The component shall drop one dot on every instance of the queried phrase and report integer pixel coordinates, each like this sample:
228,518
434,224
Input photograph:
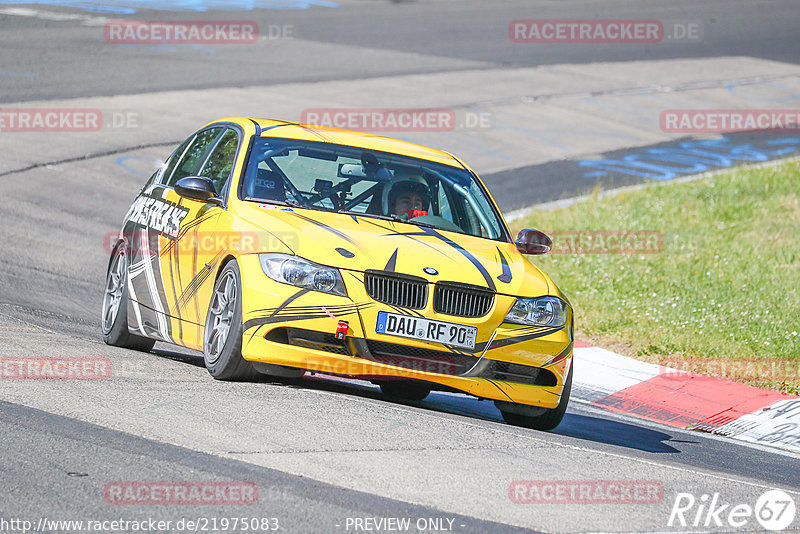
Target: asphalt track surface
320,450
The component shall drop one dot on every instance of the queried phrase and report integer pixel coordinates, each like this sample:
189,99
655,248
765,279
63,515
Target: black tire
114,321
400,389
222,337
548,420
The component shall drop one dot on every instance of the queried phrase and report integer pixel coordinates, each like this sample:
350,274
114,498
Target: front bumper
514,363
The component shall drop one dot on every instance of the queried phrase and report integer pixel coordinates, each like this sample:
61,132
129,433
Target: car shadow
579,426
575,425
610,432
173,353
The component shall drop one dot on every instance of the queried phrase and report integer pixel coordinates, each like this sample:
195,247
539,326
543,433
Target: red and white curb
686,400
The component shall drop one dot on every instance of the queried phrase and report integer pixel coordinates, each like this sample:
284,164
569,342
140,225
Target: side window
188,162
176,156
220,163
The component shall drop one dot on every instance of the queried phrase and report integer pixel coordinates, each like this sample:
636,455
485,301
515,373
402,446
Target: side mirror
531,241
198,188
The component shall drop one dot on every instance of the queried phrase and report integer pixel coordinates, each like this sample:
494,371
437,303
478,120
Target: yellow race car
283,248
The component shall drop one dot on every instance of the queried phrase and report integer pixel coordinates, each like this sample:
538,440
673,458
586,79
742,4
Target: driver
409,197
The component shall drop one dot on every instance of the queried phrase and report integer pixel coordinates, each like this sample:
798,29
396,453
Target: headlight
542,311
298,272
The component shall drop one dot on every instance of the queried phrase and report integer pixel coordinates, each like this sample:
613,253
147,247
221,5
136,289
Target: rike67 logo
774,510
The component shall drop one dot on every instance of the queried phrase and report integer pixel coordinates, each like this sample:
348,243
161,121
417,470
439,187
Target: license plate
394,324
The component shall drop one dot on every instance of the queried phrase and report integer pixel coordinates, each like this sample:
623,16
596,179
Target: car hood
359,243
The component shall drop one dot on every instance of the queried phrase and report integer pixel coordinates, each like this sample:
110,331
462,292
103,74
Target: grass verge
722,297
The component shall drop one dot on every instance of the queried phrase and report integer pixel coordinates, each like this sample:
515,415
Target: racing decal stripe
540,332
157,320
529,330
330,229
354,275
287,318
288,301
334,308
135,305
393,232
312,131
183,231
560,356
519,339
191,289
277,310
392,263
175,269
464,252
498,387
156,292
254,332
173,266
506,276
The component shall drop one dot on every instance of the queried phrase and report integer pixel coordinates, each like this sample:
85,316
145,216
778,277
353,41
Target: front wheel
222,339
547,419
115,306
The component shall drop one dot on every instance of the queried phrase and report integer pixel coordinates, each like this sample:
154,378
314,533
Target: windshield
352,180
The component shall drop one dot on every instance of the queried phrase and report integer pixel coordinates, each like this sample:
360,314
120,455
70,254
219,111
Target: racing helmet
405,182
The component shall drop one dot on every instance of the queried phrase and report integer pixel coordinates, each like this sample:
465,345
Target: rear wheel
413,391
222,339
547,419
115,306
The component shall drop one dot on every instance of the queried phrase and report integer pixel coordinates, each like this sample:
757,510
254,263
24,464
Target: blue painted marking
690,157
121,161
595,174
131,6
787,141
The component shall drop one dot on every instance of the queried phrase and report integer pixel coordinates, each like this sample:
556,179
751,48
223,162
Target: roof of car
325,134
